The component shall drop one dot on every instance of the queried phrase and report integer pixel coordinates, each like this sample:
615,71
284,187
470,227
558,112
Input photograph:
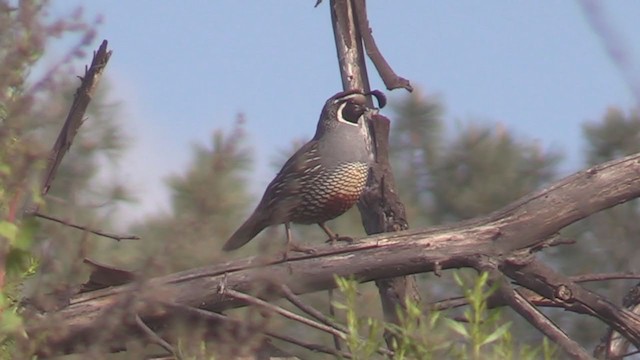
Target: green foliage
207,203
19,265
415,144
482,326
485,168
419,336
204,353
20,261
481,334
478,169
616,135
213,184
361,347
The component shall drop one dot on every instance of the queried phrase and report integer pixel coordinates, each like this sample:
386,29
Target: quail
324,178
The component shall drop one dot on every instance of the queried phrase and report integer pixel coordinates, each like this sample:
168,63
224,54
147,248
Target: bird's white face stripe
350,96
340,118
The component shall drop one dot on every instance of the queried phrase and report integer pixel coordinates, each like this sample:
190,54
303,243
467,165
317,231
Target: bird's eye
351,112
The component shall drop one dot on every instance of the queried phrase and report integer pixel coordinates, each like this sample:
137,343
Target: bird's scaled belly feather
332,194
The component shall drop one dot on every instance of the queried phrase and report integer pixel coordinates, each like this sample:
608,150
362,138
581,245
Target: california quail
324,178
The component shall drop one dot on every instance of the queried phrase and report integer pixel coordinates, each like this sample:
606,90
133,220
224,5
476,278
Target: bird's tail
245,232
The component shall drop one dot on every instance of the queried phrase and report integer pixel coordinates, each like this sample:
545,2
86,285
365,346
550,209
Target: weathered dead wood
81,101
531,296
75,118
523,225
535,317
613,345
382,212
540,278
389,77
380,206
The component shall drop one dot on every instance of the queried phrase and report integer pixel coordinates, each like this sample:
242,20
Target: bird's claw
346,239
298,248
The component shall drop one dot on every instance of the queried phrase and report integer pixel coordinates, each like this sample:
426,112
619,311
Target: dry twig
295,317
155,338
295,300
217,318
619,52
86,228
286,313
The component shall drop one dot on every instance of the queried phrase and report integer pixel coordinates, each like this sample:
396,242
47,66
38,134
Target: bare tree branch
155,338
389,77
76,113
86,228
618,51
353,69
531,296
523,307
332,312
295,300
540,278
218,318
604,276
103,276
613,345
286,313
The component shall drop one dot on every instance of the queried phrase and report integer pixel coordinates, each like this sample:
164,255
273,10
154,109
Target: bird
321,180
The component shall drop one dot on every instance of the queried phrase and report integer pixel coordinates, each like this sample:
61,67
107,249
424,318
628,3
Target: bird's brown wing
284,193
282,196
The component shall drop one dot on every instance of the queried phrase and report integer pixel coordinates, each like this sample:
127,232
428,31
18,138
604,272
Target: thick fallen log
506,237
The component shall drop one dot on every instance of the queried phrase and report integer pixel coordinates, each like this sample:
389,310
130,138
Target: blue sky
184,68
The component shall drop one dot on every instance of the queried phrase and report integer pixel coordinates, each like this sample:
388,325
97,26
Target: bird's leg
333,237
293,246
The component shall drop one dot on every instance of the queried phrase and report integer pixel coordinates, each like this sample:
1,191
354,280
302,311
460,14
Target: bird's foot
332,240
294,247
301,248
